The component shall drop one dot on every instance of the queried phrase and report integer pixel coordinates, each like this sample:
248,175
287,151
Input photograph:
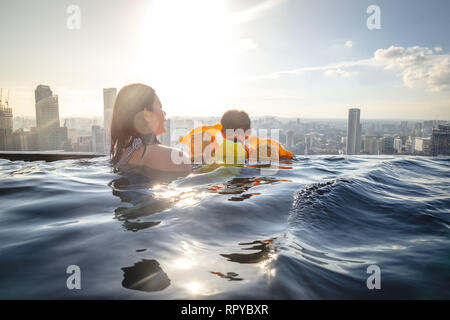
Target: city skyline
274,57
112,92
353,137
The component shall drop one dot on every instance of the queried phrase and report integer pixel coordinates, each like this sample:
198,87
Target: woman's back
154,156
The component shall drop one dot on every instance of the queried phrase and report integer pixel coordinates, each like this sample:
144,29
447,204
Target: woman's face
156,118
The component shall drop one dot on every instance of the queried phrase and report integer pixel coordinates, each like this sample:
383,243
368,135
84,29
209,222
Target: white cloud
339,73
327,68
419,67
349,43
437,49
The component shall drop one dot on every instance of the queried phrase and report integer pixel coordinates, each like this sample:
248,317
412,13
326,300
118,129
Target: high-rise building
6,124
5,117
426,146
371,145
83,144
398,145
404,128
309,144
21,139
109,98
42,92
290,139
353,132
47,119
440,141
388,145
410,145
98,139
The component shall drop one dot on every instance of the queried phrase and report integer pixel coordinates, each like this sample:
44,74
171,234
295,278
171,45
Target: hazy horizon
311,60
252,117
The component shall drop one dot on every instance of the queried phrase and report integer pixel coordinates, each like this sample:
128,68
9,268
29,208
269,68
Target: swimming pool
309,230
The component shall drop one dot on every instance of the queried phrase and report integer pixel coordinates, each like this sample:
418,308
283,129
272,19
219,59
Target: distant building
290,139
6,126
109,98
98,140
353,132
42,92
388,145
440,142
6,117
33,139
309,144
398,145
404,128
371,145
63,134
21,139
427,146
83,144
47,119
6,139
418,145
410,145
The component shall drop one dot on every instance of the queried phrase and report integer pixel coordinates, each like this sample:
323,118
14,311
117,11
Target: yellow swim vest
231,151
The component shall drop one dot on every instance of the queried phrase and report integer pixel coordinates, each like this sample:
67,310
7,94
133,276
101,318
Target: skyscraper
371,145
42,92
353,131
109,98
290,139
440,141
398,145
6,118
6,125
47,119
388,145
98,139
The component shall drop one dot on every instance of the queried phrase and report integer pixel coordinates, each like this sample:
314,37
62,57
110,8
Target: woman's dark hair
130,101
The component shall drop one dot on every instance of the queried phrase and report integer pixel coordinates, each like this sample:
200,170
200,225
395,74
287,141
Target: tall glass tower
47,119
353,131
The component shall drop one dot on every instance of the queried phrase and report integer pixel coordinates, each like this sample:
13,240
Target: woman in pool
137,121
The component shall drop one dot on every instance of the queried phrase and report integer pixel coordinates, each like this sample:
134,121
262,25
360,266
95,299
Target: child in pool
236,129
230,142
225,143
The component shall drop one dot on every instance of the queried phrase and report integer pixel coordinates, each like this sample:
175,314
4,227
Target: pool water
307,230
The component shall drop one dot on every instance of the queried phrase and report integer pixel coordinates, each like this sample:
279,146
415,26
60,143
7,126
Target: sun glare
194,287
186,54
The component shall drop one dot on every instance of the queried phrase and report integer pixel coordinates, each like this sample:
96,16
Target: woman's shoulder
165,158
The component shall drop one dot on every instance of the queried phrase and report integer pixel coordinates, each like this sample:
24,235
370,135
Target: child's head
235,120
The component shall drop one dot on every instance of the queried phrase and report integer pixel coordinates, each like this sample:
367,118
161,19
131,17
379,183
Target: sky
287,58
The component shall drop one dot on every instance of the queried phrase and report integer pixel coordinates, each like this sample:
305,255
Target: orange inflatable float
209,135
